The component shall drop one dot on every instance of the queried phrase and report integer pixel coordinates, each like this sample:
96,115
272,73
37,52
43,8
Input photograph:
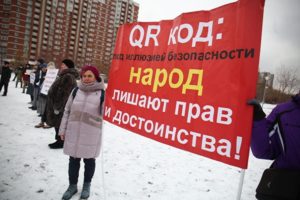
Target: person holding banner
42,100
36,83
277,138
81,129
57,97
30,87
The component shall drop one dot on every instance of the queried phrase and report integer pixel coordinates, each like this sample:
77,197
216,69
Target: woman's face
63,66
88,77
44,69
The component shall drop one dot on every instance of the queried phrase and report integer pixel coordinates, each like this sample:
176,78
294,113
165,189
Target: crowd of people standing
83,91
73,107
75,111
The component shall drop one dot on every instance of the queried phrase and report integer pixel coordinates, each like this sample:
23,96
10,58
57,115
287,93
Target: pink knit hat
93,69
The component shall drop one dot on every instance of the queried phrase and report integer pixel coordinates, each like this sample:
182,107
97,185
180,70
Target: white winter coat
82,122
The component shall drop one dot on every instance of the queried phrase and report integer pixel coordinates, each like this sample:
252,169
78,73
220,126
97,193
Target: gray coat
82,122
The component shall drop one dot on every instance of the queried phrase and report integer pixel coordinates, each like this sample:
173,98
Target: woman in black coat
58,95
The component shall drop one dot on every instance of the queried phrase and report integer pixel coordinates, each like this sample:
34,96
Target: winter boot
56,145
40,125
85,193
47,126
72,189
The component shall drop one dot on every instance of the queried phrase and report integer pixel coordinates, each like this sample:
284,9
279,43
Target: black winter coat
6,73
58,95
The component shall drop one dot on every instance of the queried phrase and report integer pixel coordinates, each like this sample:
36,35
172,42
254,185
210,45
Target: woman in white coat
81,129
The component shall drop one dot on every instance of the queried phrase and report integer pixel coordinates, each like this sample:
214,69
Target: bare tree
288,79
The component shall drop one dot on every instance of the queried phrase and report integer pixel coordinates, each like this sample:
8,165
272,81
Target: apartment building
83,30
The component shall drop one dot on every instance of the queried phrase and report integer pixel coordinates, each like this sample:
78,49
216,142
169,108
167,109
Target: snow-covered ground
130,167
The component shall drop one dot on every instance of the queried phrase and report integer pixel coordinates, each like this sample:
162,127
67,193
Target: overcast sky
281,27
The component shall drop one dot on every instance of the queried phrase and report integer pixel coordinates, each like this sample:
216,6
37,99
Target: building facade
82,30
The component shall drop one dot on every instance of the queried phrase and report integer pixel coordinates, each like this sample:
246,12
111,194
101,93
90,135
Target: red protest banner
185,82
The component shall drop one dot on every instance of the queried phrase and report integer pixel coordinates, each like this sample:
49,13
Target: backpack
74,92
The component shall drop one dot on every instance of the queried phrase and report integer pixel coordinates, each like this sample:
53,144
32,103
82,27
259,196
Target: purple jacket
266,141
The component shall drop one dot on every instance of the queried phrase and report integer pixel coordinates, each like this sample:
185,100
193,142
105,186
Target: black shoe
56,145
4,95
32,107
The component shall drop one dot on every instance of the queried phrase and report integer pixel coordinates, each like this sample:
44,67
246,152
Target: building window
4,38
6,20
5,25
61,4
6,7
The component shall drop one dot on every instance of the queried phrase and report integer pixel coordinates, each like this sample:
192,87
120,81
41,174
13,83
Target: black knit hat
41,60
69,63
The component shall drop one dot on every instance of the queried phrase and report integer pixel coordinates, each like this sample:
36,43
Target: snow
130,166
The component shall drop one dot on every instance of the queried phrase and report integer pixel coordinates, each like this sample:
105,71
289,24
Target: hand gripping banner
185,82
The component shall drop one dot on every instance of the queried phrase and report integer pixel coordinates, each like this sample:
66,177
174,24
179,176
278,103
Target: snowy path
133,167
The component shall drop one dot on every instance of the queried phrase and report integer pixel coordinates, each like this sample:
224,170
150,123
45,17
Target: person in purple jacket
277,137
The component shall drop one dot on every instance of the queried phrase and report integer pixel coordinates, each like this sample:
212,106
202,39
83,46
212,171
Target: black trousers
74,166
44,115
5,84
57,137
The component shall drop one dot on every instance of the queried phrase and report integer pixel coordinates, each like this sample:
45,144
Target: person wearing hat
57,97
81,129
6,73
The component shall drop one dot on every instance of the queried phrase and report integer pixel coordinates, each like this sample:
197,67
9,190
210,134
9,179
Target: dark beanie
41,60
69,63
93,69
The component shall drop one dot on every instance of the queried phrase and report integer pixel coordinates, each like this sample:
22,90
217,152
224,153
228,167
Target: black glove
258,113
